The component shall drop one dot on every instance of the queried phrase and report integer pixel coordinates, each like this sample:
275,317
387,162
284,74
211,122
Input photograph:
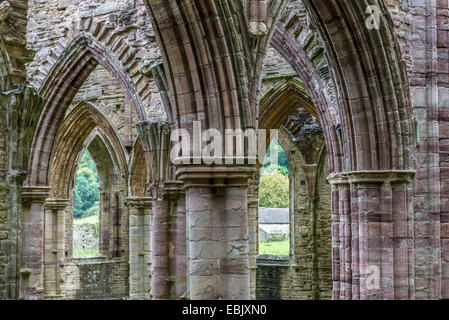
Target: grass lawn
280,248
90,220
85,252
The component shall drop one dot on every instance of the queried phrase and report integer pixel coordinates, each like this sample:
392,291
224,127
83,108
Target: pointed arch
212,64
71,140
372,89
281,101
72,69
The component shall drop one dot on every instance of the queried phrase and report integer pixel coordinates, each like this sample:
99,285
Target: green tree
282,159
86,190
274,190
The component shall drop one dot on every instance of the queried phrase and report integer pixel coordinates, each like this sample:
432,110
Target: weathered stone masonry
364,109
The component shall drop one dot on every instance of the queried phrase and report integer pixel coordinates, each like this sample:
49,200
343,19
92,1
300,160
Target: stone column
344,249
159,249
217,226
54,247
253,231
257,14
168,241
375,234
32,257
106,224
177,259
139,247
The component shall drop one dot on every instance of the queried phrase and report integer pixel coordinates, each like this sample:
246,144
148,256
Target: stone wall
126,25
279,280
85,236
90,279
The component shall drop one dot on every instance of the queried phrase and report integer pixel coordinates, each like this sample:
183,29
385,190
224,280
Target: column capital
215,176
139,202
336,179
371,177
56,204
35,194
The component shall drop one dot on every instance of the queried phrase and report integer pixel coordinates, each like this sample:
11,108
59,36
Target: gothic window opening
86,209
274,203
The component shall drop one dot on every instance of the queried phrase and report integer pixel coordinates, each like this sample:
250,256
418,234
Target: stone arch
318,81
110,47
66,77
74,132
84,128
373,93
281,101
302,139
209,78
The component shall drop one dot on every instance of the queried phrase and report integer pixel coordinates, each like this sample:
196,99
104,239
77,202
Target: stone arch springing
378,135
138,177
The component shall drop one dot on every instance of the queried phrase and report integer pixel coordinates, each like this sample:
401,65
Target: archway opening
86,209
88,180
274,203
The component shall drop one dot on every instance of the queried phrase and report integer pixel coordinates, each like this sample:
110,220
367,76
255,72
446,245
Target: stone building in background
359,94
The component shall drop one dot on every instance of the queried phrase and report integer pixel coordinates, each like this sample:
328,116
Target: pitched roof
274,216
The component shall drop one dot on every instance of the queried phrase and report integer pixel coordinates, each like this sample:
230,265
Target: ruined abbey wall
381,96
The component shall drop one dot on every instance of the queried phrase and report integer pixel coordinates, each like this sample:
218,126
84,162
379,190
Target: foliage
274,190
86,196
280,248
282,159
273,168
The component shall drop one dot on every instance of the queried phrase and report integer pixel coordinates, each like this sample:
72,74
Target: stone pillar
54,247
253,231
375,235
344,259
106,225
256,17
159,249
217,226
116,223
168,241
177,259
32,240
139,247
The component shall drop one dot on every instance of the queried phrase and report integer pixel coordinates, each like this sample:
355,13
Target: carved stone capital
141,203
338,179
378,177
215,176
35,194
56,204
